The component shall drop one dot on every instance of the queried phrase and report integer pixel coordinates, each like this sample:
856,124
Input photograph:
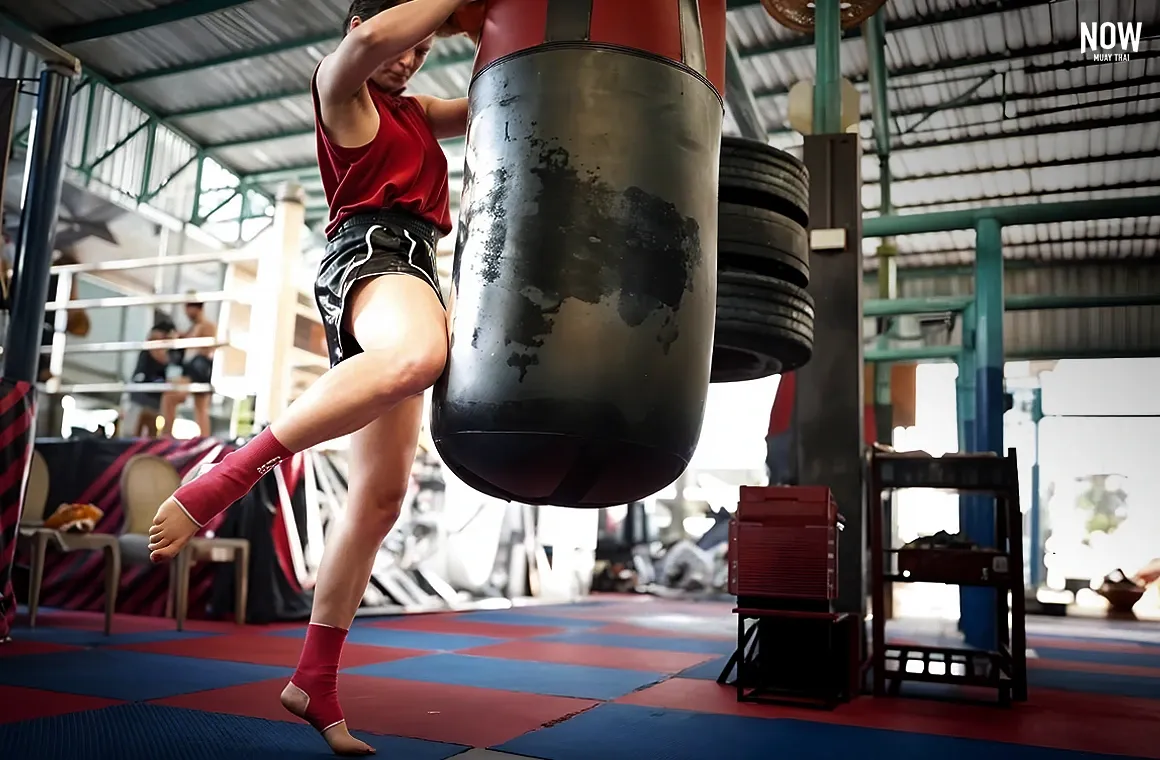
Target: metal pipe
827,80
44,178
142,345
83,388
874,34
903,307
1028,213
121,265
740,98
157,300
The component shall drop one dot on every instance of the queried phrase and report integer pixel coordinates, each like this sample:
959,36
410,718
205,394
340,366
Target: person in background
151,368
195,367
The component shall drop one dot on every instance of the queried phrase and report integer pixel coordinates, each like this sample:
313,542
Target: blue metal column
34,244
965,407
38,218
978,605
1035,544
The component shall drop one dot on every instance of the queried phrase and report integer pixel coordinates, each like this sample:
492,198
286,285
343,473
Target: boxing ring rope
62,303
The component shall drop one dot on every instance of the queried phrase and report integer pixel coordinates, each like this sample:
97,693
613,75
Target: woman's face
393,75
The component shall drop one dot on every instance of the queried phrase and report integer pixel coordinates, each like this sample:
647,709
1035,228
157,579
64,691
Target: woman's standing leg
383,313
381,455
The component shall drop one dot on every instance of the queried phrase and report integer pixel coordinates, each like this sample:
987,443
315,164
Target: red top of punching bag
653,26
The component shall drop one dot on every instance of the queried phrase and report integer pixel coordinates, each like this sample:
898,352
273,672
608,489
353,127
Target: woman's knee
408,370
376,509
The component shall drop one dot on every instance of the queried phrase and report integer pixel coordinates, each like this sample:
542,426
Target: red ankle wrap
317,675
211,493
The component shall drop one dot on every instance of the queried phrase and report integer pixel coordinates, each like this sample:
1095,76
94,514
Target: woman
385,177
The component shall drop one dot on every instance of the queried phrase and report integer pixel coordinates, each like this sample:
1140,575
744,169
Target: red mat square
435,712
1054,719
593,656
27,704
464,627
266,650
19,648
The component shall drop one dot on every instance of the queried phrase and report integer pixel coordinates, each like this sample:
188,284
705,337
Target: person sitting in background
151,368
1150,573
196,367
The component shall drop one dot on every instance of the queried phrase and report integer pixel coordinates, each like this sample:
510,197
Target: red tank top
402,169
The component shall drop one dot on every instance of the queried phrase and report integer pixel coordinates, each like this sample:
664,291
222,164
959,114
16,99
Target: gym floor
616,678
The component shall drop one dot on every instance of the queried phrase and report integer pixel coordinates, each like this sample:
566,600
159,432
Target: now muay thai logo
1110,41
269,465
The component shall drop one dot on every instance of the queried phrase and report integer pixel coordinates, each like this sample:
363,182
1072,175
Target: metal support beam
829,401
133,22
874,32
1031,213
739,98
46,51
38,217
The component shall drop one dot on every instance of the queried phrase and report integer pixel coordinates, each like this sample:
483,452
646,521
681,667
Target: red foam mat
266,650
435,712
27,704
1054,719
464,627
593,656
19,647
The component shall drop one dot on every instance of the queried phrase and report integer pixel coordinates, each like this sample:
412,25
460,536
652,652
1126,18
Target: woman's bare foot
172,528
337,736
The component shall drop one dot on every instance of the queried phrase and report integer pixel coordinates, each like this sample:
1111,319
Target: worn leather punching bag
586,262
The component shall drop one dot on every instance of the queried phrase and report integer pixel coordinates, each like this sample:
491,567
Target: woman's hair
364,9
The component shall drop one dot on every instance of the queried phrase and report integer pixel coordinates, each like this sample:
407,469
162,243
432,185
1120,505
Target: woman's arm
448,118
342,74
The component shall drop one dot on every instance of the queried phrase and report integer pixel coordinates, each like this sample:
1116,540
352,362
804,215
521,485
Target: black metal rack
1005,667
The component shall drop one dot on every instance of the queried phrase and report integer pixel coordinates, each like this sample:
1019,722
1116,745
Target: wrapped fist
467,20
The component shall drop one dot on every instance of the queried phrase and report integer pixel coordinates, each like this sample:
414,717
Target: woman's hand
1150,572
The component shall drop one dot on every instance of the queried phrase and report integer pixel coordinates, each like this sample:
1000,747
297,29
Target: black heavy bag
586,263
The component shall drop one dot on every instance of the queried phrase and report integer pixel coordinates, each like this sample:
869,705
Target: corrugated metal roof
1062,332
990,101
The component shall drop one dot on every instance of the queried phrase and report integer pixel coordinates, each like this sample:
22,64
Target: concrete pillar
275,307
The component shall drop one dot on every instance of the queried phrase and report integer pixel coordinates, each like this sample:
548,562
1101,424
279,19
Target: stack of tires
765,317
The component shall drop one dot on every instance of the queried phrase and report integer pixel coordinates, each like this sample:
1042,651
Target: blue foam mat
404,639
122,674
1111,684
628,732
1150,659
706,671
83,638
154,732
510,617
546,678
652,643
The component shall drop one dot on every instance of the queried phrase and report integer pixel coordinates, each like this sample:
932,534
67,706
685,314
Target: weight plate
763,242
764,326
755,174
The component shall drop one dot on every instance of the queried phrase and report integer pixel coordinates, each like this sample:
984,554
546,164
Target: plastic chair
37,538
146,481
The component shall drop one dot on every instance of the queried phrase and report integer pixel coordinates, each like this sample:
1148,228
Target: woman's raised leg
402,328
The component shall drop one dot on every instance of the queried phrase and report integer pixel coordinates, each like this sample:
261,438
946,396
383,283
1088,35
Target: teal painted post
978,611
827,82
